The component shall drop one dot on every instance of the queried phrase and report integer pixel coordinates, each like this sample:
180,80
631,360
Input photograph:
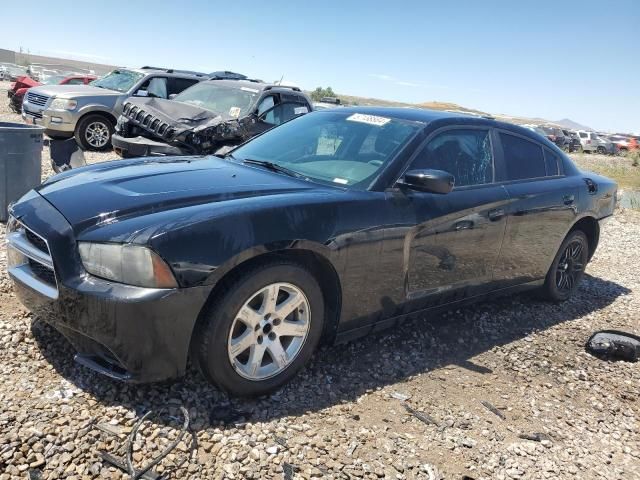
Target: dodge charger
332,225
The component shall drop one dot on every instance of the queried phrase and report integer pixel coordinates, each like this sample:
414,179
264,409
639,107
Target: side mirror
431,181
141,93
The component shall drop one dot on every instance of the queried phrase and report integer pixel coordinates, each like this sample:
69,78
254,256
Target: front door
449,244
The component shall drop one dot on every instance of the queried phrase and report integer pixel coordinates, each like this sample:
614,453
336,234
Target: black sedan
330,226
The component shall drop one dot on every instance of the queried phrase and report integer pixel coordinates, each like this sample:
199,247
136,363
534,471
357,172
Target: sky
548,59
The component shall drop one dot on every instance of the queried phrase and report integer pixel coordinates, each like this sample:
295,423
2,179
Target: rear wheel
261,329
567,268
93,132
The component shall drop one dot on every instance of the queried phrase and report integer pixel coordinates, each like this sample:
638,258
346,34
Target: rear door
541,209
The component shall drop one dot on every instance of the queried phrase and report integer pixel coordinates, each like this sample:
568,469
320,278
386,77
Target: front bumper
142,147
129,333
56,123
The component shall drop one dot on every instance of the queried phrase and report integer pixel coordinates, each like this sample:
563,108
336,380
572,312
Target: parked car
18,89
556,135
205,117
330,226
11,71
588,141
573,144
605,146
89,112
624,143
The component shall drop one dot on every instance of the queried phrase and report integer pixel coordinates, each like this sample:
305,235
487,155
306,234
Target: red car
18,88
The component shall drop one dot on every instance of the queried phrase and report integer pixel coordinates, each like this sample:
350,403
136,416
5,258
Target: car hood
24,82
75,91
111,191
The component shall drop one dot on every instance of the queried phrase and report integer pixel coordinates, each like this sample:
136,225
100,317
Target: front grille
30,261
37,99
148,121
36,241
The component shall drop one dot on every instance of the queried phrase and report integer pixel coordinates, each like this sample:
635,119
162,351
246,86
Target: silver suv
90,112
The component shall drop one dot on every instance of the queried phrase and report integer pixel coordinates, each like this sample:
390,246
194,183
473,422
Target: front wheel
567,268
261,329
94,132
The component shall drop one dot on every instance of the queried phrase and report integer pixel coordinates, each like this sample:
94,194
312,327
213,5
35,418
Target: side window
177,85
523,158
154,87
466,154
75,81
266,104
551,163
583,135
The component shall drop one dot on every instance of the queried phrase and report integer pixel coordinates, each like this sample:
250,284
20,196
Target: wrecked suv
204,118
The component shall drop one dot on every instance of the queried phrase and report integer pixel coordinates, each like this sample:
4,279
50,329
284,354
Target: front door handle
495,215
568,199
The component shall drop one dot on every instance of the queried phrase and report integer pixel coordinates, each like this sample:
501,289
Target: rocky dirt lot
480,378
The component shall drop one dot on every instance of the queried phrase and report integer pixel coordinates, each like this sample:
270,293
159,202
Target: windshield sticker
234,112
341,181
370,119
247,89
300,110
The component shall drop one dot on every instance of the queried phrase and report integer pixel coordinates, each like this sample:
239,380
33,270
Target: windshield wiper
274,167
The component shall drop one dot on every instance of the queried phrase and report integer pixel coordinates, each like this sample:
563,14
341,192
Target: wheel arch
104,113
310,257
591,228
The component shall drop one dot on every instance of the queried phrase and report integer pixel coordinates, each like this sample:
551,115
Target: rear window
583,135
523,158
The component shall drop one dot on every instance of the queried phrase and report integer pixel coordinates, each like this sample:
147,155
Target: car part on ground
205,118
332,198
614,345
65,155
64,110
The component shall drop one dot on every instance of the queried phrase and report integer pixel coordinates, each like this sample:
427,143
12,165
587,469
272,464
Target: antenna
281,78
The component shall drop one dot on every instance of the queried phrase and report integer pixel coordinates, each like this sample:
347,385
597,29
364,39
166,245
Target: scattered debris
535,437
493,410
400,396
145,471
35,474
109,429
228,414
614,345
423,417
272,450
352,448
281,441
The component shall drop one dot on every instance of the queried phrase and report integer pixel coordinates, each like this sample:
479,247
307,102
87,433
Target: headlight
63,104
130,264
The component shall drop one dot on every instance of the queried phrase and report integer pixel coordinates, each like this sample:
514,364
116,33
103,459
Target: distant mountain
567,123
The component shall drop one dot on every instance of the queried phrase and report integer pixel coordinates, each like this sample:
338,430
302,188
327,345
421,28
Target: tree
320,92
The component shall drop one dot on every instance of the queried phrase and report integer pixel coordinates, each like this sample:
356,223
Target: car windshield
119,80
232,101
53,80
343,149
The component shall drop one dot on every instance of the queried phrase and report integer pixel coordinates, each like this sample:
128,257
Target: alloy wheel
97,134
570,266
269,331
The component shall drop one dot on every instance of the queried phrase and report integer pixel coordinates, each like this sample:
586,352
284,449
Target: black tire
602,150
209,344
567,267
92,121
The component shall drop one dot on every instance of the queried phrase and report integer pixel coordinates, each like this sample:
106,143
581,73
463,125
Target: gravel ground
345,415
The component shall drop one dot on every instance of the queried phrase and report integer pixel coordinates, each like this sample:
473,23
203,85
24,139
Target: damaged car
205,117
333,225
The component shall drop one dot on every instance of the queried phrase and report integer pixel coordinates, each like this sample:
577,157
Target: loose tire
567,268
261,329
94,132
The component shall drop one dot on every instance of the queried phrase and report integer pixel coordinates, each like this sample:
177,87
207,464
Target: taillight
588,142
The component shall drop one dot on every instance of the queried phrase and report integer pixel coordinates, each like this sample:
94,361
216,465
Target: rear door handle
568,199
495,215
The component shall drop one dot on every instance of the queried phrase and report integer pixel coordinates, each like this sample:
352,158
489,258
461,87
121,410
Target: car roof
425,116
255,85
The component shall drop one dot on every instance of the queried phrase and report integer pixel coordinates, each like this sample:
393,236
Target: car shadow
341,373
